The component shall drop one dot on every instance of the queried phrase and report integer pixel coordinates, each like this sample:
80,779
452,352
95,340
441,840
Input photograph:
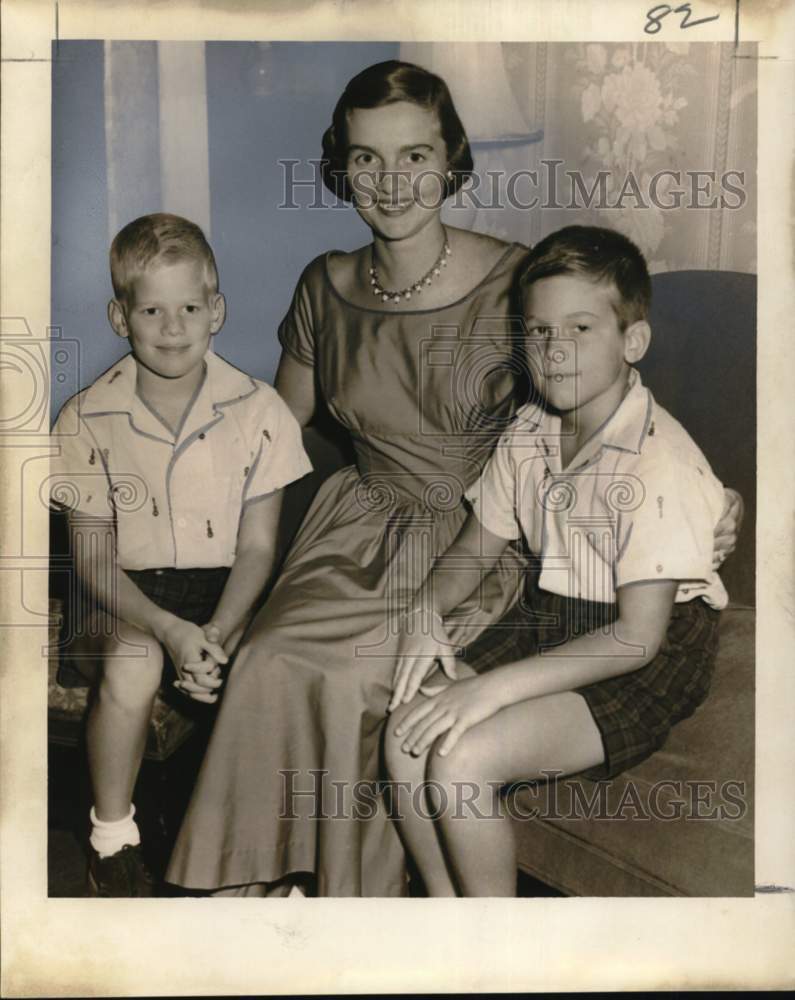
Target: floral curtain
655,139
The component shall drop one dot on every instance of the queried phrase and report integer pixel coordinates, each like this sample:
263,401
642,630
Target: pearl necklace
404,294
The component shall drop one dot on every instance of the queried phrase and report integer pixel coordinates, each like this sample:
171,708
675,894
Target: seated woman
408,341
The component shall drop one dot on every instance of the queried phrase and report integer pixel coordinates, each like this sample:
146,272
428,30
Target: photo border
66,947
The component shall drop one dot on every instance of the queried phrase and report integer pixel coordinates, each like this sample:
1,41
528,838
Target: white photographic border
69,947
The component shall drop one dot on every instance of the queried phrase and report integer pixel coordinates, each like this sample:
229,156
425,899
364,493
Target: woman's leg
416,828
554,733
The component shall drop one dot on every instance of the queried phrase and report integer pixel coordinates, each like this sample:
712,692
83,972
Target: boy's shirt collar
625,430
114,392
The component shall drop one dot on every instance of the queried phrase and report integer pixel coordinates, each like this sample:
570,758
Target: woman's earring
449,175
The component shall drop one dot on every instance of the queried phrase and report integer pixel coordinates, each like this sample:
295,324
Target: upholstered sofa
681,823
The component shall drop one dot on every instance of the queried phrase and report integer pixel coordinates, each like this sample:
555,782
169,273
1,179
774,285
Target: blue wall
264,103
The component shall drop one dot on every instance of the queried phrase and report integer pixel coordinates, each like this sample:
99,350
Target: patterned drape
661,136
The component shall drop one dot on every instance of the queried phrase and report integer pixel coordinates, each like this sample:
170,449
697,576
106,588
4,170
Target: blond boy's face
578,353
169,317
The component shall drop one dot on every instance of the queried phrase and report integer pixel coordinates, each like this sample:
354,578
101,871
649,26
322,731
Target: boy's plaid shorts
634,711
191,594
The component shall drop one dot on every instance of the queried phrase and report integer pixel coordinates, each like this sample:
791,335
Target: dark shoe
123,874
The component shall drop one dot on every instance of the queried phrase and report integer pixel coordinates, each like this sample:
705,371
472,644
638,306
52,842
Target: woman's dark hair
387,83
600,255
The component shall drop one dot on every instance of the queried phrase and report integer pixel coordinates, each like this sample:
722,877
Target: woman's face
396,166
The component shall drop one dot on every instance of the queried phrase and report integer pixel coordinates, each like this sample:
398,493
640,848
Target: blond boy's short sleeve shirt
639,502
176,495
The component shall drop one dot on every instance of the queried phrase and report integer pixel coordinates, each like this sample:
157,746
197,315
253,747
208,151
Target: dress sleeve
669,535
493,496
297,329
281,458
78,477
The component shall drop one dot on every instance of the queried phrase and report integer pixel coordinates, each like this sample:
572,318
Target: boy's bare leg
553,733
119,717
418,832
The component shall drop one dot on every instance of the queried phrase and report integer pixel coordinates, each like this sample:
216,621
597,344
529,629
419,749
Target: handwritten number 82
656,14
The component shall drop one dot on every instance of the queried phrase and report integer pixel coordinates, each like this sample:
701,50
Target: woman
408,342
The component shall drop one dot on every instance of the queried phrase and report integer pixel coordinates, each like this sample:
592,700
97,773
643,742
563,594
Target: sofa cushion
701,366
624,844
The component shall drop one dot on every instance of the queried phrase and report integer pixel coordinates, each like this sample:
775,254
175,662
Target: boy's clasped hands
197,655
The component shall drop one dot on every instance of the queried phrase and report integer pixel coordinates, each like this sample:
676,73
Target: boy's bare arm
93,544
474,551
644,610
454,577
251,570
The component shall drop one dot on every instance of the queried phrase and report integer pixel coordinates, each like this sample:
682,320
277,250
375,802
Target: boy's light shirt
177,498
638,502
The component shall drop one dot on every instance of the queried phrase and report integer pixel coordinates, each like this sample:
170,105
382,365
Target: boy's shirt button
202,436
181,522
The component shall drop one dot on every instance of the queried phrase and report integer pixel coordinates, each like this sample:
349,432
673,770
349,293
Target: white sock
108,838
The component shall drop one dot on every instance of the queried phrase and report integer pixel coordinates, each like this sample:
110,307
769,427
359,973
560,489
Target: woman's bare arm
728,528
295,383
